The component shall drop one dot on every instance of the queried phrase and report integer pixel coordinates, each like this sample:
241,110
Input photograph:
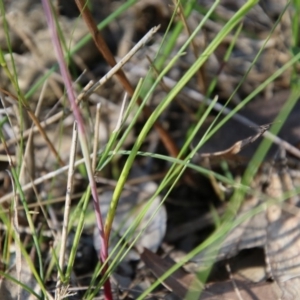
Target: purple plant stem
81,133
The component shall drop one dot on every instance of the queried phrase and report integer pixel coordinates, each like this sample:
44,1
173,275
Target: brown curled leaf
238,146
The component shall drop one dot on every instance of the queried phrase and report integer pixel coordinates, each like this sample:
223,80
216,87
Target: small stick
124,60
236,289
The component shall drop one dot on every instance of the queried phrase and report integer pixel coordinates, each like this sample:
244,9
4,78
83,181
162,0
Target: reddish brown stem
108,56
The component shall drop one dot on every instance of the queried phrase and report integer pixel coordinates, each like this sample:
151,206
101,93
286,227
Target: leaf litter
274,228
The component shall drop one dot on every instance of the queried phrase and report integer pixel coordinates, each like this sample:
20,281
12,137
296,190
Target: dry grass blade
104,50
196,96
64,235
45,123
41,179
16,228
123,61
28,171
238,146
96,137
38,125
28,41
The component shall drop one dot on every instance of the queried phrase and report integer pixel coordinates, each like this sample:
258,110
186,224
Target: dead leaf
261,111
225,291
283,254
180,282
238,146
275,229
